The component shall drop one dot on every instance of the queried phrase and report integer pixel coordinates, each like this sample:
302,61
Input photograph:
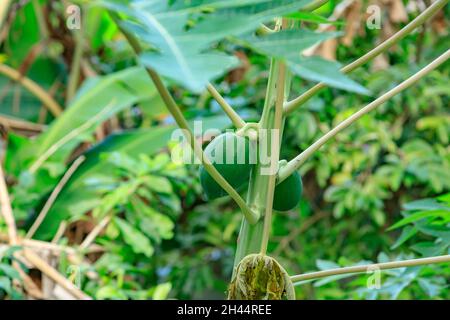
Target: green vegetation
90,192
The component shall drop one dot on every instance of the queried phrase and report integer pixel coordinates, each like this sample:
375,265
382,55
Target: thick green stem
250,237
275,153
419,20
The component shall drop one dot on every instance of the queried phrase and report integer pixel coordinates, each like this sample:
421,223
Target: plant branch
95,232
51,199
234,117
371,267
53,274
179,118
419,20
19,124
4,7
5,207
33,87
295,163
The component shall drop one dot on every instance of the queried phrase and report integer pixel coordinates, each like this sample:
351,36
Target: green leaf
99,100
159,184
180,45
312,17
136,239
425,204
429,249
5,284
9,271
328,72
419,216
287,44
431,288
406,234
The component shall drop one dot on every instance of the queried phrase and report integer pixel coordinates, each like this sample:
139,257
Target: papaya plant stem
371,267
234,117
275,154
33,87
419,20
250,236
251,216
295,163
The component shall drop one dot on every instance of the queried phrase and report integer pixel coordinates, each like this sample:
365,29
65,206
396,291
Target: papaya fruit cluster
230,155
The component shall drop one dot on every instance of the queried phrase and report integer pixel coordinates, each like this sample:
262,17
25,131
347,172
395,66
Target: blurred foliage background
378,192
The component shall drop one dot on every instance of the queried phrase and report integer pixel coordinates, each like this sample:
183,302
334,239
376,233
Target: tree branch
33,87
295,163
5,207
371,267
419,20
53,274
51,199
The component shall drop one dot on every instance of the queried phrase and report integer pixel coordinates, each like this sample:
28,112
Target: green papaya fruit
229,153
288,193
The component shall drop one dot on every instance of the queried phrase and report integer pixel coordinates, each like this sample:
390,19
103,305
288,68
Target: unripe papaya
288,193
229,154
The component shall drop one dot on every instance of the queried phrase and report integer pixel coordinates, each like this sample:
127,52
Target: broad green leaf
312,17
328,72
103,98
181,45
136,239
287,44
